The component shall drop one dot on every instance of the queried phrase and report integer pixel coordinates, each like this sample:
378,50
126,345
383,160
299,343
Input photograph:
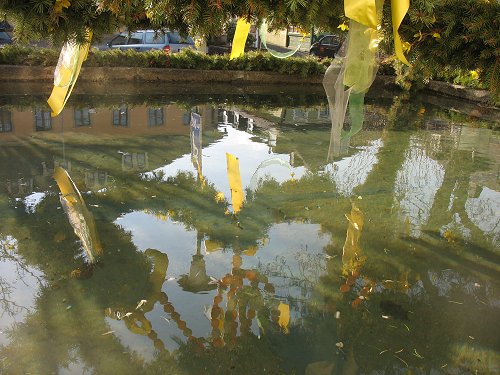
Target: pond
236,233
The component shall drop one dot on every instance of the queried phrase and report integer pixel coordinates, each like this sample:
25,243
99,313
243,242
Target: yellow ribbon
284,318
240,38
65,76
399,9
79,216
233,174
362,11
365,12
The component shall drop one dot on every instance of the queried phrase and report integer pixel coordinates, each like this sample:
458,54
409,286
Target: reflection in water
233,174
197,279
352,255
417,183
79,216
244,303
379,259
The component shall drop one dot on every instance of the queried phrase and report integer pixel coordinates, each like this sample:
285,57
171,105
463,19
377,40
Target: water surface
368,253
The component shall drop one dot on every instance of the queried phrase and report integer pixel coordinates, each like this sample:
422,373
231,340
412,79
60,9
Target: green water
375,253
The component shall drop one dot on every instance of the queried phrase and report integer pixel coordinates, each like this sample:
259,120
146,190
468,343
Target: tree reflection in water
396,287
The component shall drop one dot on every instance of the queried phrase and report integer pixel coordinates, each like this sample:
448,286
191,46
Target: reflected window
82,117
134,161
186,118
5,121
299,114
155,117
324,112
141,160
43,120
120,117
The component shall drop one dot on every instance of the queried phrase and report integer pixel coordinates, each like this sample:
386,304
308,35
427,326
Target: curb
124,75
22,73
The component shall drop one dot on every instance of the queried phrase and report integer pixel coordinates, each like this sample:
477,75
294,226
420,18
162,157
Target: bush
186,59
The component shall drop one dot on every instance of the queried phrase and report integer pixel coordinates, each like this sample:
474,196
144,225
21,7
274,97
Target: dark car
5,38
145,40
327,46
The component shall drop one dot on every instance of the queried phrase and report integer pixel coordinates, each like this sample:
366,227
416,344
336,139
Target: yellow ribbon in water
284,318
79,216
66,73
233,174
240,38
137,322
365,12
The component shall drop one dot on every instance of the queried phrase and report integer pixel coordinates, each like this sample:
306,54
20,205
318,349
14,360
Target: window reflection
82,117
5,121
134,161
186,118
120,116
43,120
155,117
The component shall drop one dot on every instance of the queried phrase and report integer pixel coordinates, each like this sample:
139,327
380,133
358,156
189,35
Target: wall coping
22,73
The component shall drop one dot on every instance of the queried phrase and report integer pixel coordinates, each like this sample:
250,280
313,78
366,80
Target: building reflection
120,121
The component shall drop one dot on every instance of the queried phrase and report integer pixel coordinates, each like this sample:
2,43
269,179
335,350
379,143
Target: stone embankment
474,101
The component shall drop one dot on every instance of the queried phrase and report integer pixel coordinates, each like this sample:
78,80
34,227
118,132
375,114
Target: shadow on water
370,250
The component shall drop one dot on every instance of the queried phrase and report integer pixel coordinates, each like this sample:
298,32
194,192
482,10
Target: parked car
145,40
327,46
5,38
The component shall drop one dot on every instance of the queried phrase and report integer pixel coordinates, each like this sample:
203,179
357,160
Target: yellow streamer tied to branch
67,70
362,11
240,38
399,9
365,13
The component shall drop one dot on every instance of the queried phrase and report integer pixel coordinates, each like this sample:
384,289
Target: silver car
145,40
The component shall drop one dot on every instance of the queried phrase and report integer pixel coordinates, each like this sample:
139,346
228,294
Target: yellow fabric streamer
240,38
233,174
79,216
399,9
361,60
365,13
362,11
66,73
284,319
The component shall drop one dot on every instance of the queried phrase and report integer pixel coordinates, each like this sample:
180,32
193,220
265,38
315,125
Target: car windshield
176,38
120,39
4,37
330,40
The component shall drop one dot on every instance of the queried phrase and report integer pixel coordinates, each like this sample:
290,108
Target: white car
145,40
